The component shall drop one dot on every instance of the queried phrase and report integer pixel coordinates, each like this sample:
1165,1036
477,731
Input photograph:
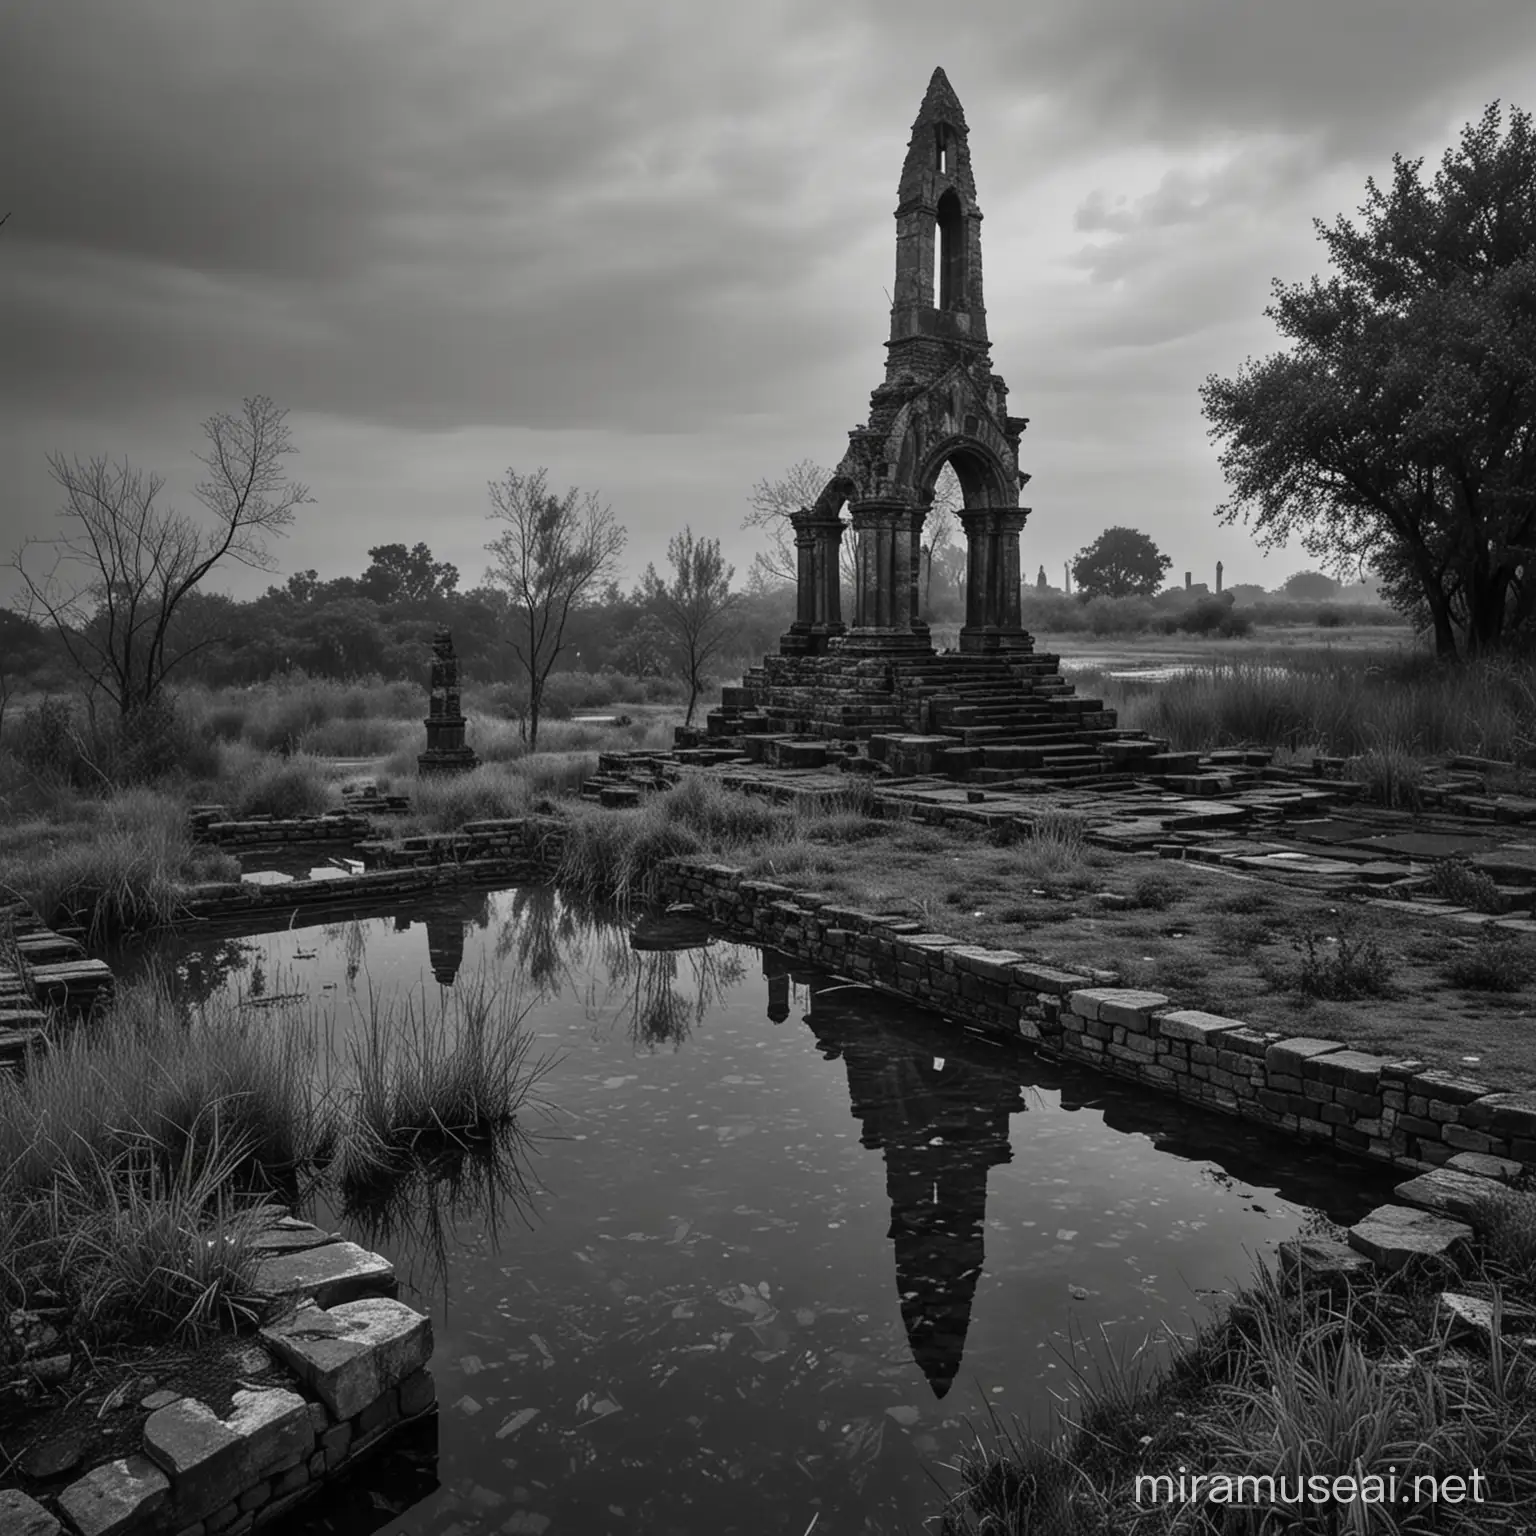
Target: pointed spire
940,104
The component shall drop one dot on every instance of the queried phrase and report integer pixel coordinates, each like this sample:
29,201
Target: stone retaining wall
1394,1111
211,824
356,1362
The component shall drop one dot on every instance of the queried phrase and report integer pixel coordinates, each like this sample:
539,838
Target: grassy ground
1273,956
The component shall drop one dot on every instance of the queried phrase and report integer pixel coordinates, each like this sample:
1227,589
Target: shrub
1340,973
1496,962
1156,892
1456,881
48,742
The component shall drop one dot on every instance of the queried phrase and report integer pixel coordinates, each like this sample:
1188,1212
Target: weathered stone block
1462,1139
1201,1030
120,1496
200,1454
1472,1318
1502,1114
1503,1169
336,1273
1322,1261
1043,978
1287,1056
274,1426
1448,1191
1358,1071
353,1353
22,1516
417,1393
1444,1085
1396,1235
1130,1007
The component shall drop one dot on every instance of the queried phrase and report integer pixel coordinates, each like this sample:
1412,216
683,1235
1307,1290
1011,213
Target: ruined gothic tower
940,404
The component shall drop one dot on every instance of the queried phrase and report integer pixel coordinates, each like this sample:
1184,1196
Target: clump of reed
426,1079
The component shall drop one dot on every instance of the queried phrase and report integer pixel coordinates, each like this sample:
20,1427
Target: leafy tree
1400,431
555,553
125,566
695,606
398,574
1121,562
1310,587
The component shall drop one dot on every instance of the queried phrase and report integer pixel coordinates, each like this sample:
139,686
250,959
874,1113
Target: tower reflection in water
941,1123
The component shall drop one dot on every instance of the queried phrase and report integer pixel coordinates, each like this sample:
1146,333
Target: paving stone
1393,1236
335,1273
116,1497
1448,1191
23,1516
353,1353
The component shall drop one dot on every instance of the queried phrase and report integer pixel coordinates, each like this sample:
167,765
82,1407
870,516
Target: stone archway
940,403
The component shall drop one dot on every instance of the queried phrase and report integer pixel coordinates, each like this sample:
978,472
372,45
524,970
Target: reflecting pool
773,1241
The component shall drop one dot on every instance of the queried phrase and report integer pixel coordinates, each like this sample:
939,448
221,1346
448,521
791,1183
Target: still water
776,1241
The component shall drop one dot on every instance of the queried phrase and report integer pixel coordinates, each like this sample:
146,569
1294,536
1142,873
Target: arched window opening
943,150
951,223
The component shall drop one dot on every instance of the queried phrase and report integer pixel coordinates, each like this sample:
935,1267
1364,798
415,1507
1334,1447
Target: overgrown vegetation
1340,968
1290,1384
132,1152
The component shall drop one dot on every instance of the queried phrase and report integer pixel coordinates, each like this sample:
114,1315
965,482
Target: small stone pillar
1041,584
446,751
1218,578
1188,580
993,614
1066,576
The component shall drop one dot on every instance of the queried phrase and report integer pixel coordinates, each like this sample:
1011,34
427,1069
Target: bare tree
773,501
125,565
695,606
556,552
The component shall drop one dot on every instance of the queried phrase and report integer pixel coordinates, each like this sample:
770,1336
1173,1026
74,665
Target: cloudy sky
648,243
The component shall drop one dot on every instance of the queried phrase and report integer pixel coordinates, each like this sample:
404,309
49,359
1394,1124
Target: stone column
915,558
992,597
828,618
796,640
884,619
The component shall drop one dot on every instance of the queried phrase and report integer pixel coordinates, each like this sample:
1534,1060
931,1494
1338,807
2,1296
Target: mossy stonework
356,1362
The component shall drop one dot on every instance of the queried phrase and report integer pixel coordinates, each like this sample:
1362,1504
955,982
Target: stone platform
979,717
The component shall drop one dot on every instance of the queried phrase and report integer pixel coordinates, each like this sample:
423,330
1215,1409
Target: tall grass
1292,1385
256,783
125,873
427,1079
1349,704
296,712
145,1075
132,1153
